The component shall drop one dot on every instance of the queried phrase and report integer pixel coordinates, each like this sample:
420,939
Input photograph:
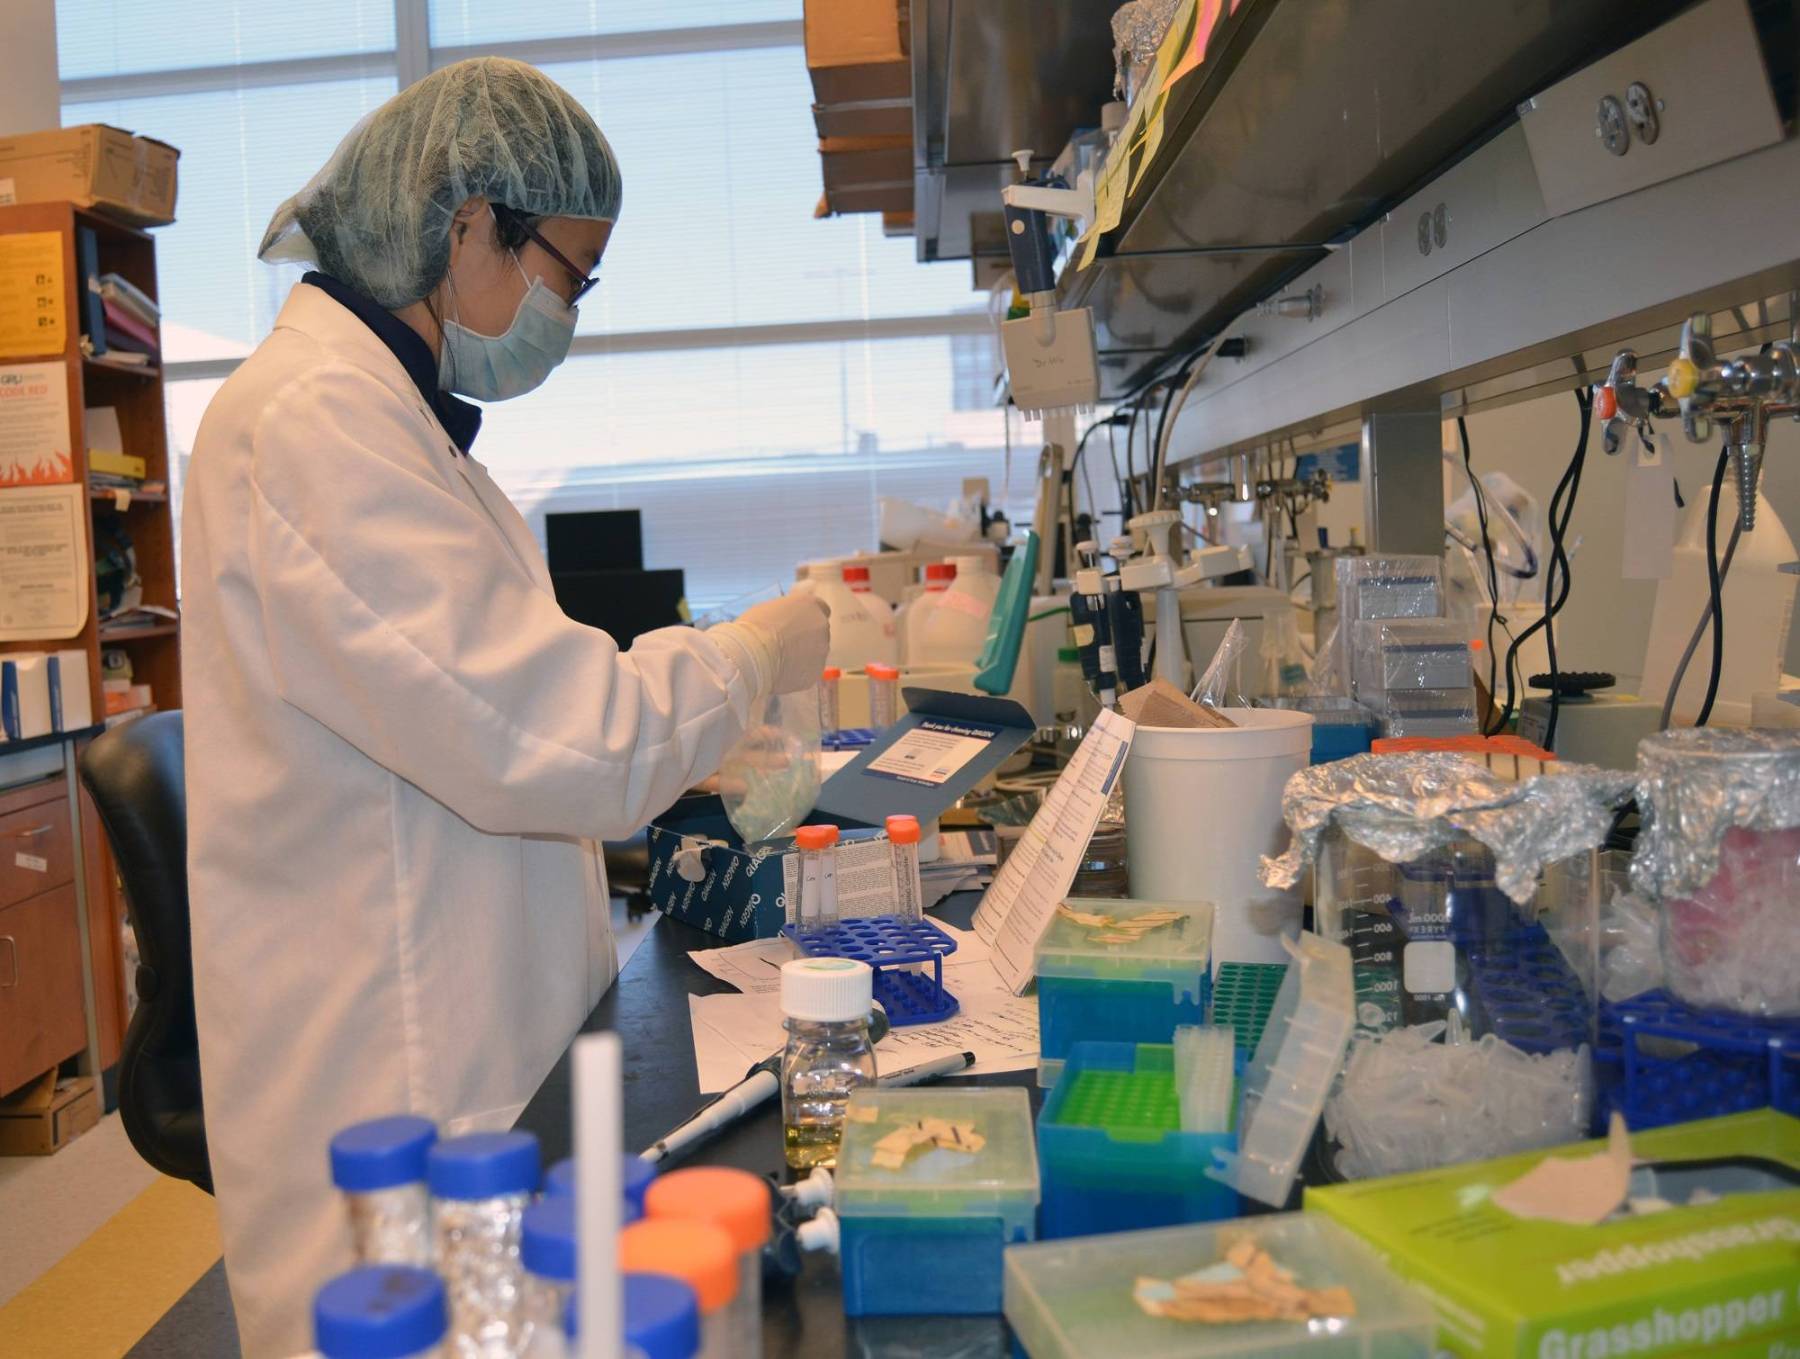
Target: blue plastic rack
1660,1061
891,945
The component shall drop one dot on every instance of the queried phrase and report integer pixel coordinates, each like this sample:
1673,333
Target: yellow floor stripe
102,1297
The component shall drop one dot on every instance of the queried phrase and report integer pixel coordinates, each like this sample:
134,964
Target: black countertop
648,1009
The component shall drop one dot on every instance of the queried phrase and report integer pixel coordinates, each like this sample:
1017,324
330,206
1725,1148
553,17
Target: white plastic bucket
1202,808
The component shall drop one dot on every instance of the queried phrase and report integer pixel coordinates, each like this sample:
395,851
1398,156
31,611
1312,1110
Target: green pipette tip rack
1243,995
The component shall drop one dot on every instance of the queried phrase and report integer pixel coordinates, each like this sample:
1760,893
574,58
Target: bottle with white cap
829,1053
955,631
912,619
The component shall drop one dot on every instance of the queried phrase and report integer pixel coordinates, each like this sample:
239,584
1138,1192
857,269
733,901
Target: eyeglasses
586,281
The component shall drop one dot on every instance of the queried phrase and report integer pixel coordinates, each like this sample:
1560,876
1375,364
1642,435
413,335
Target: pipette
1093,627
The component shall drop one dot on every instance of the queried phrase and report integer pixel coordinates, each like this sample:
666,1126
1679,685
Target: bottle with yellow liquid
829,1053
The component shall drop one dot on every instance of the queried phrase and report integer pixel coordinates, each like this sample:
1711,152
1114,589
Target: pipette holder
891,946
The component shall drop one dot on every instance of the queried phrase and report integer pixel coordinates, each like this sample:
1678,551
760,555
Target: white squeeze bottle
956,630
938,576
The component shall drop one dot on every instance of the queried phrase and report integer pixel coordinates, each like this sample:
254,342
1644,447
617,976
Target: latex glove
781,644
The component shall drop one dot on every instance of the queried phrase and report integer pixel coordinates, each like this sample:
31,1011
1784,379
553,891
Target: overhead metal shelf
991,77
1307,121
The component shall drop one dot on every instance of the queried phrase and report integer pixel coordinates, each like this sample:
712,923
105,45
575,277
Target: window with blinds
752,379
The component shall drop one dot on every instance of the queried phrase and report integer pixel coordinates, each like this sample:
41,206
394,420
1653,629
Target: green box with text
1720,1277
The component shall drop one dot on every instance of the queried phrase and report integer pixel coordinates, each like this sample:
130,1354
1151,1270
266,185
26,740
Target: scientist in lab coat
400,751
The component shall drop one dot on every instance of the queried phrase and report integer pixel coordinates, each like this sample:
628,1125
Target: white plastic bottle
955,631
1759,605
862,623
938,576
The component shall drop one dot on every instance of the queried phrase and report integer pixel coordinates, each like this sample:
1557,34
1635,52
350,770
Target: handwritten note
1038,874
31,294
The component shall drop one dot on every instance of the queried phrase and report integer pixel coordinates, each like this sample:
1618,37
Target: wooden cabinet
36,850
41,1020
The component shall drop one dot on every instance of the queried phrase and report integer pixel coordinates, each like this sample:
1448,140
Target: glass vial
903,839
884,695
738,1203
480,1186
547,1252
379,1167
701,1256
381,1312
828,1055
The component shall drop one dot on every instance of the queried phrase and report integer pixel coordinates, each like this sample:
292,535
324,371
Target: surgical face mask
495,367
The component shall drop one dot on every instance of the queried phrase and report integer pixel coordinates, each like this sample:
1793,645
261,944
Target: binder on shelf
105,463
71,703
127,332
93,313
122,293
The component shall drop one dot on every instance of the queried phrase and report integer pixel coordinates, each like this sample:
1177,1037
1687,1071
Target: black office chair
135,775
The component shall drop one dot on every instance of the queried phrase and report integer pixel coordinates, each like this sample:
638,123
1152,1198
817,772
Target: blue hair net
378,215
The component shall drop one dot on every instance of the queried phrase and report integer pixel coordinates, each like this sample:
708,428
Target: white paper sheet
1038,874
732,1033
45,566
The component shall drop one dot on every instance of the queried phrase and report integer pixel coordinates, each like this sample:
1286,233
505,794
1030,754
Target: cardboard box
742,890
93,166
1720,1277
857,50
848,162
47,1115
864,118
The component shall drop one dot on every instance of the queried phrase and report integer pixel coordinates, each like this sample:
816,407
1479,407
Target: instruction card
932,752
44,563
35,443
1038,874
31,294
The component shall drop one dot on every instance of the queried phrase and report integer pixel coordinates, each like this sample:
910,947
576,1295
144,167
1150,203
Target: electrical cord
1487,551
1693,645
1195,369
1715,581
1560,557
1552,602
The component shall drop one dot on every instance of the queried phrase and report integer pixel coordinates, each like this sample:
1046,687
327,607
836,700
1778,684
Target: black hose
1715,587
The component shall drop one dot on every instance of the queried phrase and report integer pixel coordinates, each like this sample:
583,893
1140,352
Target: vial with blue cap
547,1251
381,1312
635,1175
662,1318
379,1167
481,1185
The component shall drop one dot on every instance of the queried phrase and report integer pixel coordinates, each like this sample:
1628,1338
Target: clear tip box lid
1100,938
937,1178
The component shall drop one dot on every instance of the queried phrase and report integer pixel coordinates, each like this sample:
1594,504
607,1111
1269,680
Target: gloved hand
801,628
780,644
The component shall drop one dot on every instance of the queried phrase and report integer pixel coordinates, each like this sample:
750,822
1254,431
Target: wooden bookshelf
136,392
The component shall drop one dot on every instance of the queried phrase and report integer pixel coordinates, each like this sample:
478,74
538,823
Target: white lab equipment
956,630
913,616
1759,606
1202,805
379,1168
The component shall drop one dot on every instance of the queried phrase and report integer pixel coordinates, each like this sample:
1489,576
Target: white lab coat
399,750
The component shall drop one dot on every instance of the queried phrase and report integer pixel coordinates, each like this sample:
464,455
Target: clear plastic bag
769,780
1220,686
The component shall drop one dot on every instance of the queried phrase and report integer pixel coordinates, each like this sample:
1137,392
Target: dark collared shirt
460,419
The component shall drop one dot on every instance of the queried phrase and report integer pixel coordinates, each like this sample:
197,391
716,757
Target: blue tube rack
1726,1063
849,738
890,945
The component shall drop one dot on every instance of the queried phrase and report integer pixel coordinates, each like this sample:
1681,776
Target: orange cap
853,574
875,670
903,830
831,674
697,1253
1606,402
816,837
735,1200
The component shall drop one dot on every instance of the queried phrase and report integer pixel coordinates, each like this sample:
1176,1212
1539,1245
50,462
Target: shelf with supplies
112,636
107,365
105,496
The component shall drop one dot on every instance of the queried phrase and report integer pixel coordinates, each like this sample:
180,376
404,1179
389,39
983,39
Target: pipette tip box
1118,982
1111,1149
1076,1299
925,1237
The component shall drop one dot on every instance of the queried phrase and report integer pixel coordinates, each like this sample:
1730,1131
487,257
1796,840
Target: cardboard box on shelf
47,1115
93,166
857,50
864,118
849,162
